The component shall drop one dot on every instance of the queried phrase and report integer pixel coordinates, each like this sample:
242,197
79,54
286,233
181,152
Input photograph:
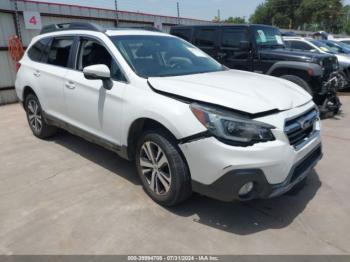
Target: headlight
232,128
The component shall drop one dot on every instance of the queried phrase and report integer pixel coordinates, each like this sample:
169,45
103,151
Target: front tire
163,172
36,119
299,81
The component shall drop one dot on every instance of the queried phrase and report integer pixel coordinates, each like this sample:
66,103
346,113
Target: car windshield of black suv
268,37
160,56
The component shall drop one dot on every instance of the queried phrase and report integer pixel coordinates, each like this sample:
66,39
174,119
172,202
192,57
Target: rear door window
59,52
35,53
205,37
183,33
232,38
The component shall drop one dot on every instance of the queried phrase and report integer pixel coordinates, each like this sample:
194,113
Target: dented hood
244,91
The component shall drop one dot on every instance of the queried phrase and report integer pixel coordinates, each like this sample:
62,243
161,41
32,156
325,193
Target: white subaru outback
189,123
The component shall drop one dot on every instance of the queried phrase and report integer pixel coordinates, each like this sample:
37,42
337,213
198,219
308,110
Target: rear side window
183,33
59,51
36,51
232,38
205,37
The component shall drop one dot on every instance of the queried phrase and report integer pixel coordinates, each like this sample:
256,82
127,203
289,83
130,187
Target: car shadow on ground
339,116
245,218
99,155
241,218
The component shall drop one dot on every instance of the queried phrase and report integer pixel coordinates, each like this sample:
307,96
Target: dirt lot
68,196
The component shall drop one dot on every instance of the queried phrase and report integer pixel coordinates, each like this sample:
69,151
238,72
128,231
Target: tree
235,20
346,19
216,19
261,15
294,14
281,13
325,13
230,20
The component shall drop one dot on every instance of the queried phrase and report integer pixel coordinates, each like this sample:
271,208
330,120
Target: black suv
260,48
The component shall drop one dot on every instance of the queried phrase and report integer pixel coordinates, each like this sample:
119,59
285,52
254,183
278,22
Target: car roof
116,32
93,29
221,25
342,39
108,32
298,38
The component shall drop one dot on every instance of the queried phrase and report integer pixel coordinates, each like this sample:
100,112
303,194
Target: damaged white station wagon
189,123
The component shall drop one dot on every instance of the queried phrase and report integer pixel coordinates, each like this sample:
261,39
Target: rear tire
36,120
299,81
163,172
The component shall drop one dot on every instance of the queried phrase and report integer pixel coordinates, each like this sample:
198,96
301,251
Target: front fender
316,69
174,115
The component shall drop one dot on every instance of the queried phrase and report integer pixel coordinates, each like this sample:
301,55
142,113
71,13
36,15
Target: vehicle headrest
146,50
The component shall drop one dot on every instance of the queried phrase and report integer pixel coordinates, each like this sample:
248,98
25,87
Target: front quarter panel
175,115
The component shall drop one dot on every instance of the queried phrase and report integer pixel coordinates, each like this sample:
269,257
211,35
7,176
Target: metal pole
219,15
178,13
16,18
116,13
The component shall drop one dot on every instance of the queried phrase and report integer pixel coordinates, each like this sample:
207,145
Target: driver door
92,108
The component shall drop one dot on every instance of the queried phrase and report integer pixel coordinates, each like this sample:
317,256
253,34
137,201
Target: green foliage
325,15
261,15
281,13
216,19
230,20
235,20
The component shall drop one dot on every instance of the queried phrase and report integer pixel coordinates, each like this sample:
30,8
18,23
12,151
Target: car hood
291,55
239,90
343,59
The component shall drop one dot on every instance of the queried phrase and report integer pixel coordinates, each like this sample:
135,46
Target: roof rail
72,26
146,28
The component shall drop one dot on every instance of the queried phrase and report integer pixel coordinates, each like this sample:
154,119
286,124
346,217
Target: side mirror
99,72
244,45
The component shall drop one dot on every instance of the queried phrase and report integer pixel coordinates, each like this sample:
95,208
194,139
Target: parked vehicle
343,40
261,49
324,47
187,122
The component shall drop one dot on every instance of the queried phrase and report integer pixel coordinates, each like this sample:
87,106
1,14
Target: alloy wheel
155,167
34,115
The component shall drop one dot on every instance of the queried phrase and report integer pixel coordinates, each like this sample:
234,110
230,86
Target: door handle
70,85
36,73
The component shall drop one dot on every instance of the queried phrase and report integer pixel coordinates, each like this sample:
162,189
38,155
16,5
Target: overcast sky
201,9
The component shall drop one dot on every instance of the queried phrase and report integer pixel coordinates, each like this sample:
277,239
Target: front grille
299,129
306,164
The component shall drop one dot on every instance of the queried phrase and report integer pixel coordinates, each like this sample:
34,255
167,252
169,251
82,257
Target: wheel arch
26,91
300,69
139,126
